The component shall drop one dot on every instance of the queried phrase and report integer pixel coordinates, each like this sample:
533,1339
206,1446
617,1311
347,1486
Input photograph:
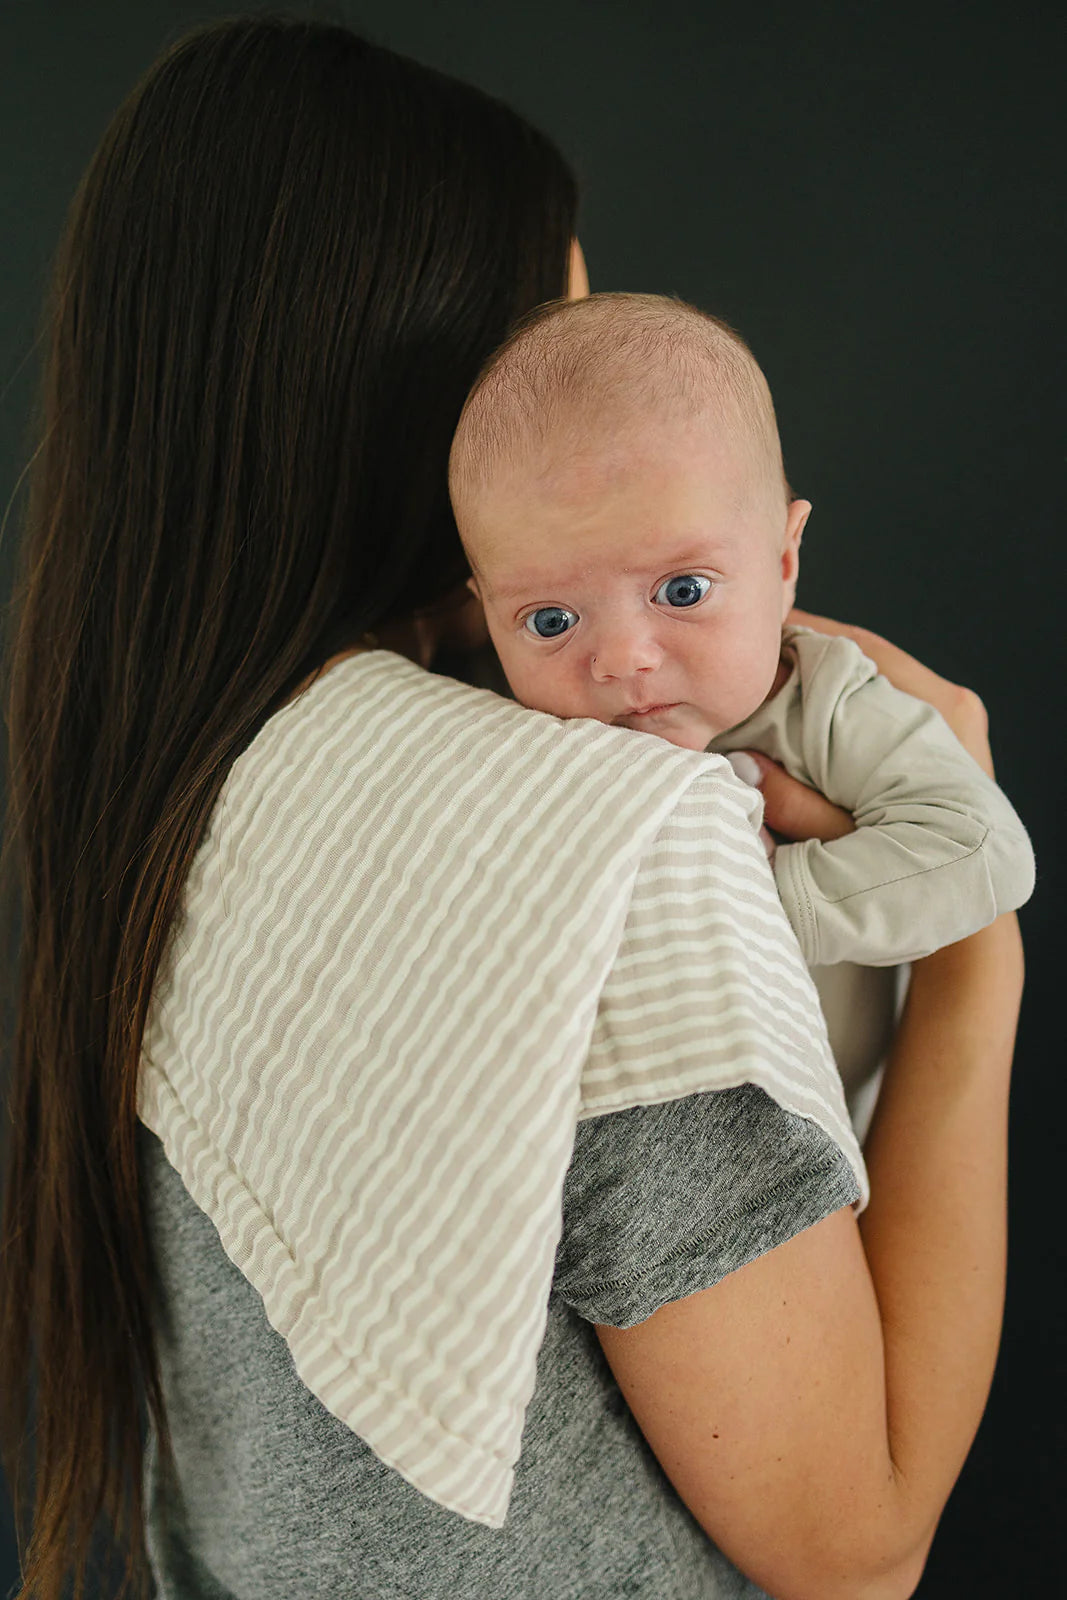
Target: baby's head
617,481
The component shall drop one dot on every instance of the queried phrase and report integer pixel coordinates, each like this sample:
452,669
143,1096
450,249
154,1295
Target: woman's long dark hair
283,268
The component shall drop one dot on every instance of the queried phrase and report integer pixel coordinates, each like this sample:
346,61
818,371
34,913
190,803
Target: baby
617,481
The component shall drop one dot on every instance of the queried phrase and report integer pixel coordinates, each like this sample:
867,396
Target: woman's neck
413,637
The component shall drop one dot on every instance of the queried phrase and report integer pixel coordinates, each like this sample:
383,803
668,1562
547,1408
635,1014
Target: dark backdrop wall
872,194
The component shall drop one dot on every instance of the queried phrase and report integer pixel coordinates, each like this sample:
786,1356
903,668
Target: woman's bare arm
815,1408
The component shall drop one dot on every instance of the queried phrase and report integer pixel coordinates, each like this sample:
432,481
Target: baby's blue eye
684,591
550,621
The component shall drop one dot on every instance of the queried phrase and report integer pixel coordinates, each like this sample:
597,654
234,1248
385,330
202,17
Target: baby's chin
690,741
685,738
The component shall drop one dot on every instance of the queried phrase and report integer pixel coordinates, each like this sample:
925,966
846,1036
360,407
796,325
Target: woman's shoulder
379,712
374,693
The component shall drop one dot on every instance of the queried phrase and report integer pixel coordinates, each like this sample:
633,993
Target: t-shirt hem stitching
780,1191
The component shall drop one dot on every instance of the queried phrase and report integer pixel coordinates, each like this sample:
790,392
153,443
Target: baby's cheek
733,692
541,692
541,680
531,684
509,661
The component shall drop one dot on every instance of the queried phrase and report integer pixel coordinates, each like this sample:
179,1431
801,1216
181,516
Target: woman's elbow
853,1574
899,1583
896,1582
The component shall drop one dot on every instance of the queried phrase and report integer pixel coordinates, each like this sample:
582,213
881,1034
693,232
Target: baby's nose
624,653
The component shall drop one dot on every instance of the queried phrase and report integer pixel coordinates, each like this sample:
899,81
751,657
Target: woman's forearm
935,1229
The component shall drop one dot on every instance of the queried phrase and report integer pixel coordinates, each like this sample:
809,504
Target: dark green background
874,195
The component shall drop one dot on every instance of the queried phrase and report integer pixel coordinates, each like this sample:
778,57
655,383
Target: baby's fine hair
586,367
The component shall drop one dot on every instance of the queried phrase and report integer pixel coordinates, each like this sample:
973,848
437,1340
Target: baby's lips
747,767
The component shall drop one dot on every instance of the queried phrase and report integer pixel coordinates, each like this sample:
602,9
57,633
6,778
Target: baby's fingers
791,808
769,842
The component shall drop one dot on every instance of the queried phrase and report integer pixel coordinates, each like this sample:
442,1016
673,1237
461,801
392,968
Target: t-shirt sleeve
663,1200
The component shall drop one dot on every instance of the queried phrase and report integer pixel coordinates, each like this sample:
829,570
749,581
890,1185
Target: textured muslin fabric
419,943
938,850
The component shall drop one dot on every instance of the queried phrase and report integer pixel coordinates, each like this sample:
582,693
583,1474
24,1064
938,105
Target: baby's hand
790,807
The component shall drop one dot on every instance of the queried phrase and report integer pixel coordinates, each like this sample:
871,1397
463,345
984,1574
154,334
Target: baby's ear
472,585
799,512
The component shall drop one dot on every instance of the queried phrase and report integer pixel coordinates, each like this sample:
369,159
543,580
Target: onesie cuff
796,895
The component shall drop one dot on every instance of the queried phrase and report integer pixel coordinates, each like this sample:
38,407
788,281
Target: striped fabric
425,933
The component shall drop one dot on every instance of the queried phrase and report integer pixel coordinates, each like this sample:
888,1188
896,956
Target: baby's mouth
651,711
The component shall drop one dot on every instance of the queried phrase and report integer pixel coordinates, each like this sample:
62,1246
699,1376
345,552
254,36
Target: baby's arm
938,850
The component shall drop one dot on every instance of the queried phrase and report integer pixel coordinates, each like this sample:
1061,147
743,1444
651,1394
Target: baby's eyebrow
515,591
541,582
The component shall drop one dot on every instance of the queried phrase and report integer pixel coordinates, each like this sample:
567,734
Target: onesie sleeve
938,851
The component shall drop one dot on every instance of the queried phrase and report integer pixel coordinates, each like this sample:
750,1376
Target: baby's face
645,587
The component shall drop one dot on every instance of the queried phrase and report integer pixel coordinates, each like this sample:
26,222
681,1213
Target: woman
283,268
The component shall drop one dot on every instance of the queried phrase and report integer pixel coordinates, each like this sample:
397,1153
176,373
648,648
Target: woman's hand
961,708
795,810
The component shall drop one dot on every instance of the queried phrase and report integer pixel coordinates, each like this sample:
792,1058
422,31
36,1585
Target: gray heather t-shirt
279,1499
